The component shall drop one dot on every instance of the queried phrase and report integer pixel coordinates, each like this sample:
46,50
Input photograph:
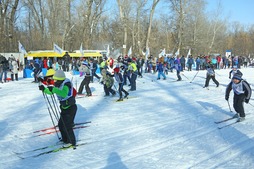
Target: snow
164,124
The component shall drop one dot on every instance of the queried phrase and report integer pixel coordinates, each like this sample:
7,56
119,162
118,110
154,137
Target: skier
242,93
234,71
48,79
160,70
107,82
119,78
210,74
63,90
84,68
132,68
177,67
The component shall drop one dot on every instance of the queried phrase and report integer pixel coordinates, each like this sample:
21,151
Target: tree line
121,24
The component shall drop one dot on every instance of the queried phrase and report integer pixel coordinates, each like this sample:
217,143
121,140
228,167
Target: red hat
116,69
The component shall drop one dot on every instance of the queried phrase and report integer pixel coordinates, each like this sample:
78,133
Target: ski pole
251,104
55,107
185,76
47,103
229,106
194,77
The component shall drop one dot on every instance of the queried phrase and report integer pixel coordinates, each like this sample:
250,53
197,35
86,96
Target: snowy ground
166,125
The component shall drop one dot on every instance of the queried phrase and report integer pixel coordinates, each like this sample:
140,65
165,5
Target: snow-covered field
163,125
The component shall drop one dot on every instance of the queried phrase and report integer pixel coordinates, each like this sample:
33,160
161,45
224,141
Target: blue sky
235,10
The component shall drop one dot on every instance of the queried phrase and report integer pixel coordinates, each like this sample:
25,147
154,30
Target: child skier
160,69
242,93
210,75
64,91
177,67
119,78
234,71
107,82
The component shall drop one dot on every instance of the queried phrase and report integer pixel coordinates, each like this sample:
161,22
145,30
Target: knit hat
116,69
237,76
59,75
50,72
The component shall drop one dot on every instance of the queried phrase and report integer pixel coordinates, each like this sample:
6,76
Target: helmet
50,72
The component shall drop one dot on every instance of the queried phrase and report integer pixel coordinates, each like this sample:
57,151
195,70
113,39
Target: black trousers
108,90
121,89
65,124
85,82
208,79
238,104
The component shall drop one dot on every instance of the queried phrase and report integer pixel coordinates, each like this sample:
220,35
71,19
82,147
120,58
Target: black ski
217,122
227,125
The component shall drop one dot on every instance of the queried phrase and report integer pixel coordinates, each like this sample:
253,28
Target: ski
53,151
52,128
217,122
56,145
227,125
57,130
47,133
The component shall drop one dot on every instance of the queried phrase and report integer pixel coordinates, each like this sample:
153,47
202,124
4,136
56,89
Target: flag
177,52
147,52
22,49
81,50
57,49
163,52
108,51
189,53
129,52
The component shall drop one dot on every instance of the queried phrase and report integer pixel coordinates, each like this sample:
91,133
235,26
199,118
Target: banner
108,51
81,50
57,49
129,52
177,52
22,49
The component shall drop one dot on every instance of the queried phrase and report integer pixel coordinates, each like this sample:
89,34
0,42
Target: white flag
189,53
129,52
57,49
147,52
81,50
163,52
22,49
108,51
177,52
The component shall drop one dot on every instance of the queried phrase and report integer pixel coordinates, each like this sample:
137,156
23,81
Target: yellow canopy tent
54,54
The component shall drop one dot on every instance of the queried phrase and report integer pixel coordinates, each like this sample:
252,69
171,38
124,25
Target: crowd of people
125,71
9,69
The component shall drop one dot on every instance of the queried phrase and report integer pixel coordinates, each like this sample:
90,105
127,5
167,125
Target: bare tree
155,2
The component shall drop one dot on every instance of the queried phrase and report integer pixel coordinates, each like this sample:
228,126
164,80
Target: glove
229,77
226,98
41,87
40,79
51,88
247,101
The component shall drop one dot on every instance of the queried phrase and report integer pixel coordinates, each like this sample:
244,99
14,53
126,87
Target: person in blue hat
242,93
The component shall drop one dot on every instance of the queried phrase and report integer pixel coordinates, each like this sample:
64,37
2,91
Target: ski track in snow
166,125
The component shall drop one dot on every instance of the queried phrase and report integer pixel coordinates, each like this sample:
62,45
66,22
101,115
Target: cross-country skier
242,93
64,91
234,71
119,78
210,75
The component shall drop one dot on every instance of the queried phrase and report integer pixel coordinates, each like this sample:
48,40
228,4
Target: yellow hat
50,72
